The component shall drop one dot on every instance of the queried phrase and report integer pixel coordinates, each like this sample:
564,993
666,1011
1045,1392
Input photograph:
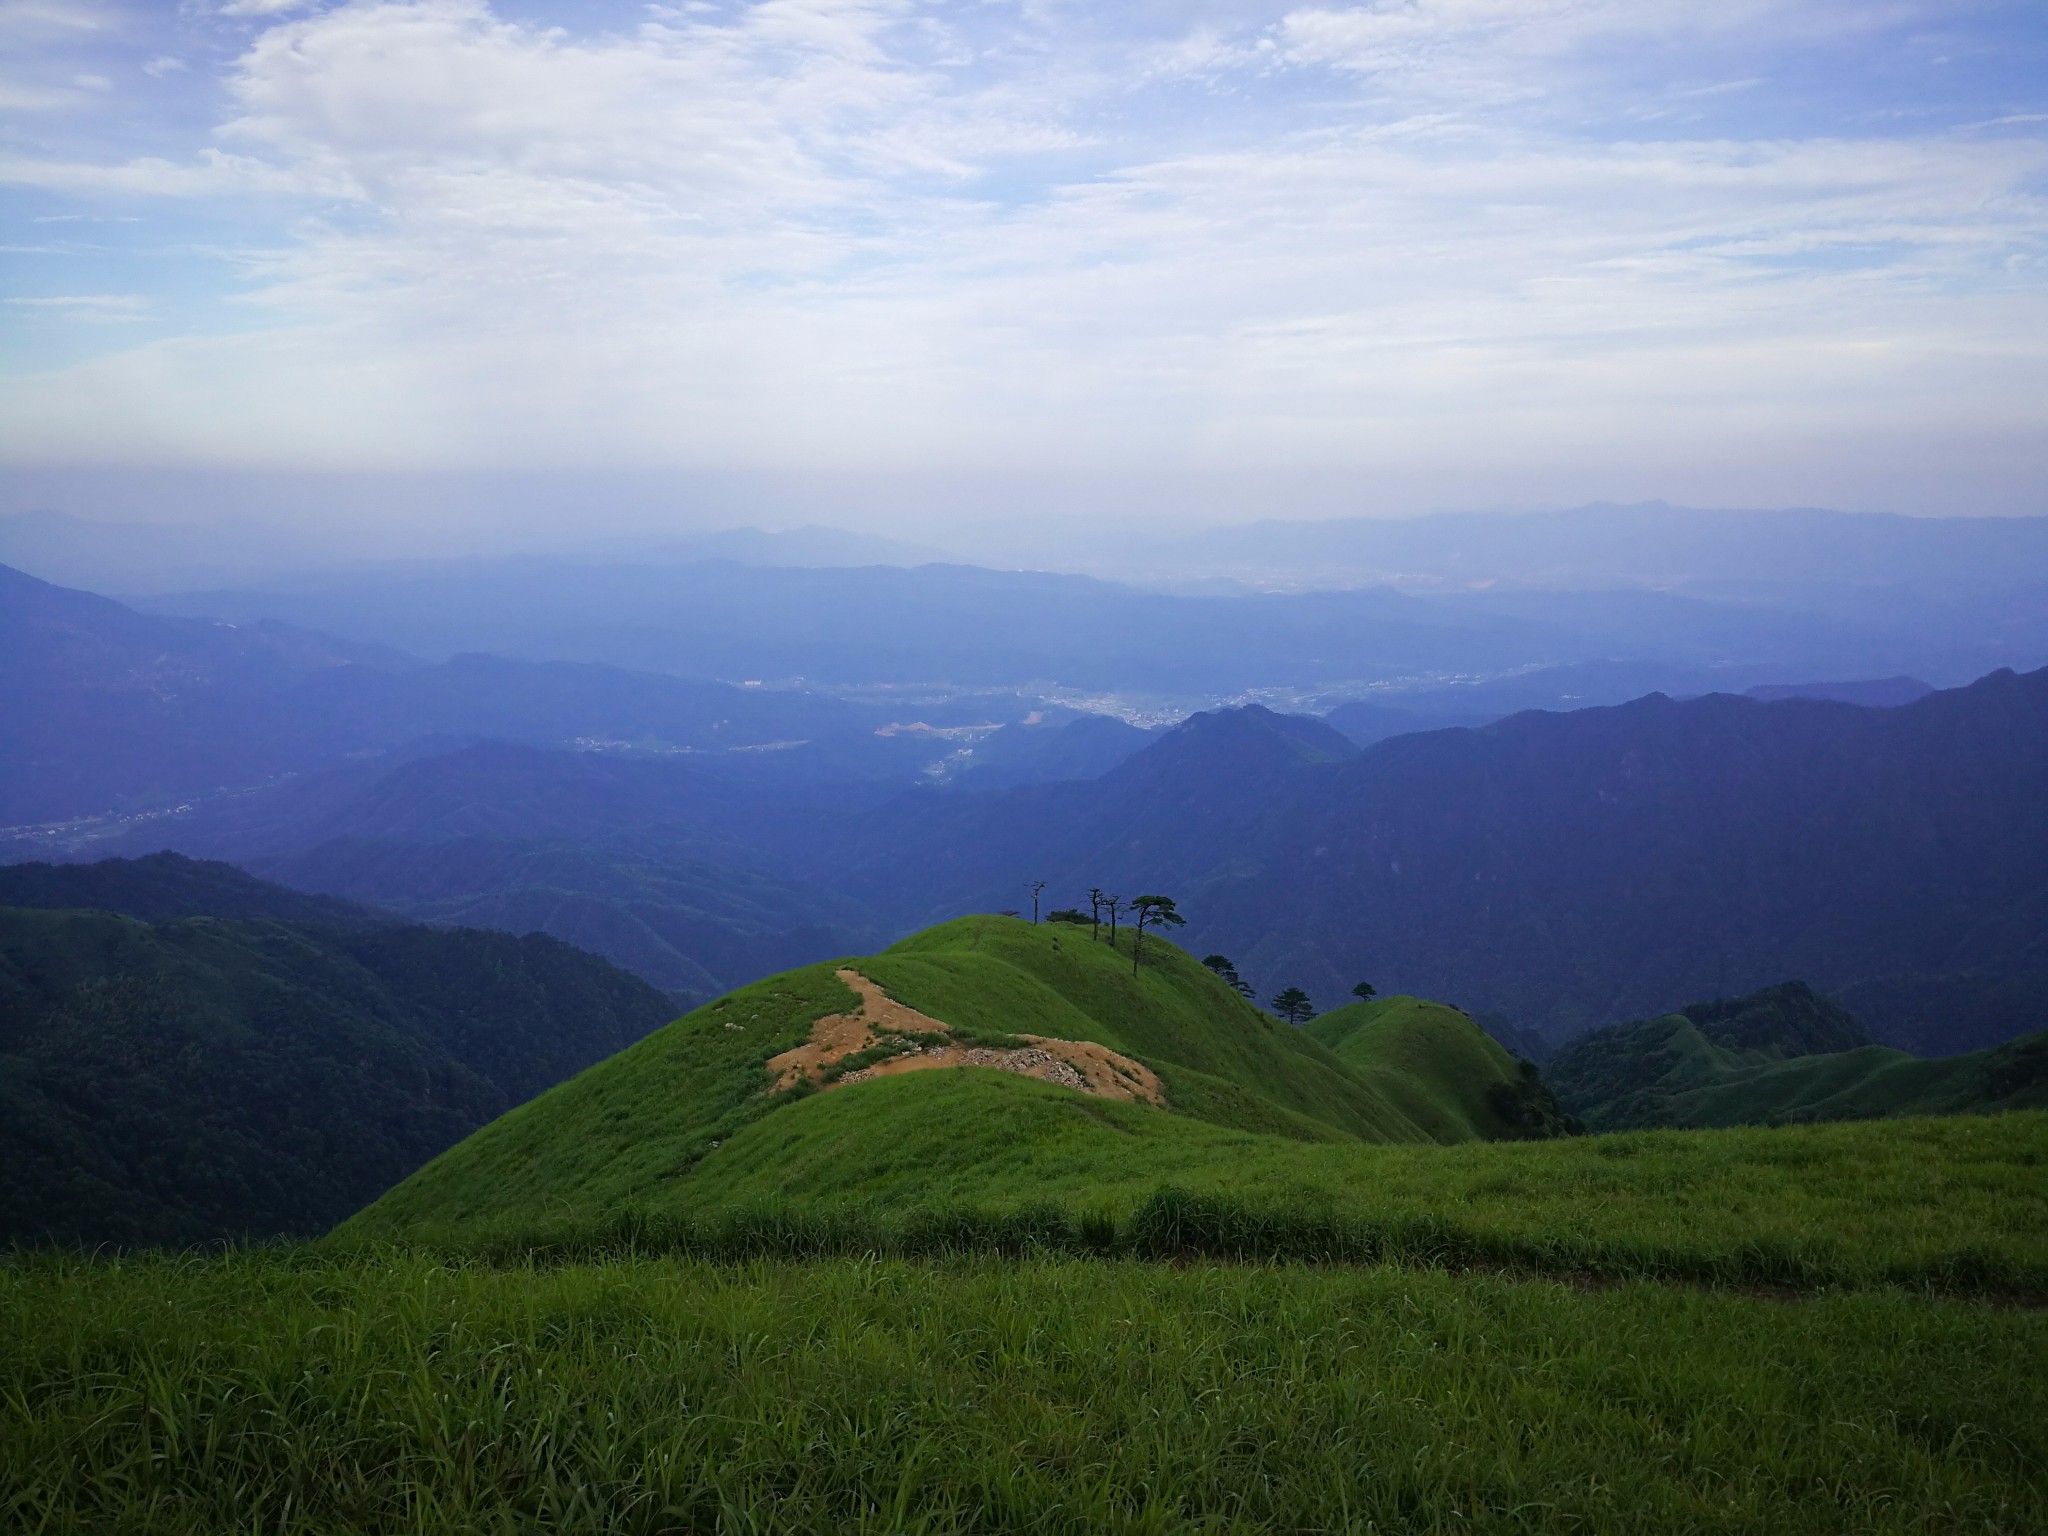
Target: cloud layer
1505,238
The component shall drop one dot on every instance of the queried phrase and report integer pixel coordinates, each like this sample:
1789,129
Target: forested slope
198,1078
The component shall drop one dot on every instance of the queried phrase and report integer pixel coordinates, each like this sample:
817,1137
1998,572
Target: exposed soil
1081,1065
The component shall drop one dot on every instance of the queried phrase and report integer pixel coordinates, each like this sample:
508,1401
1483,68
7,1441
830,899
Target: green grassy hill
682,1121
1444,1072
1779,1056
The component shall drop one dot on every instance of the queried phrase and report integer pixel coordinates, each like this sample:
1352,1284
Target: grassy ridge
639,1122
1954,1202
291,1393
656,1125
1430,1060
1220,1058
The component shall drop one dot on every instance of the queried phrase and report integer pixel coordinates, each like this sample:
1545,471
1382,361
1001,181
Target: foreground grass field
1957,1204
293,1391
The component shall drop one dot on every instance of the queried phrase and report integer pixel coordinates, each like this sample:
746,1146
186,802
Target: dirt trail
1078,1064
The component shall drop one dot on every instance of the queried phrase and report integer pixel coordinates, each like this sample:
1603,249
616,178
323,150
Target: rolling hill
822,1082
1445,1075
1780,1056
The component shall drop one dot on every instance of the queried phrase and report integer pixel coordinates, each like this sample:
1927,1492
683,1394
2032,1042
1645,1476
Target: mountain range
1552,871
1734,598
1562,870
1557,871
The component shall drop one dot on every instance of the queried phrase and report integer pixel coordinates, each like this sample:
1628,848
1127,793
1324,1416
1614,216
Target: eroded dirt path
1078,1064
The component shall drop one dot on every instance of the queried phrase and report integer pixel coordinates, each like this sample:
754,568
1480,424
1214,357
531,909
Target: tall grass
1177,1224
295,1391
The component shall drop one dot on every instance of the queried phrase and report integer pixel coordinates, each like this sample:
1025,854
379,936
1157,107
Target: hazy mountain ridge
971,626
113,707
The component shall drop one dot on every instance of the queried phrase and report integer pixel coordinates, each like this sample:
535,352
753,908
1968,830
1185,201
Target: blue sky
1398,255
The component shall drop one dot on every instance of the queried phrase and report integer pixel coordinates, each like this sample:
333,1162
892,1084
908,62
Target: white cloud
211,173
99,307
27,19
816,232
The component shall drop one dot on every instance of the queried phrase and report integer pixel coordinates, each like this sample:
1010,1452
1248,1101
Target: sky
890,263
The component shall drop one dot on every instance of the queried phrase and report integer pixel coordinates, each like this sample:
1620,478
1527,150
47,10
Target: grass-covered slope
674,1142
1221,1059
1954,1203
662,1126
1778,1056
199,1079
1443,1071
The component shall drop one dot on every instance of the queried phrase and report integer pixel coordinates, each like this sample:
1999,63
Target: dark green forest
199,1078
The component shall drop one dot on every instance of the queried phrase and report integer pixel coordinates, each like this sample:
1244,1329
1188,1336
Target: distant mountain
665,807
198,1079
159,886
653,862
693,928
1365,723
1023,753
107,706
1881,692
112,709
1780,1055
966,627
956,625
810,545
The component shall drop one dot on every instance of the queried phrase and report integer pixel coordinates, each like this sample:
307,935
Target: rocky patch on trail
919,1042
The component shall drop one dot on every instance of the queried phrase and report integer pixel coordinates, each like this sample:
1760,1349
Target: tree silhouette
1365,991
1095,900
1293,1005
1221,965
1152,912
1114,905
1036,887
